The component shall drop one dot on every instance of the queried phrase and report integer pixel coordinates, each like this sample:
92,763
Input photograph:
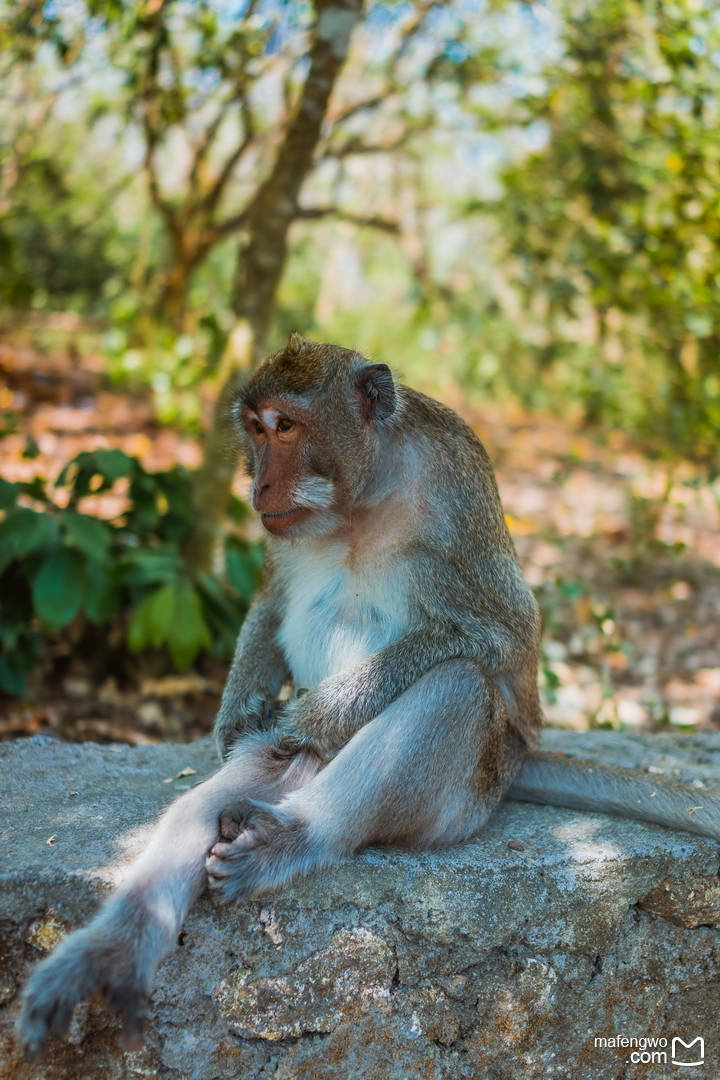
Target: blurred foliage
519,198
49,255
173,366
186,102
522,198
612,231
58,244
58,565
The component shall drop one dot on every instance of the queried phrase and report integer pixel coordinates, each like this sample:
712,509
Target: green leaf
223,611
109,464
152,619
11,677
8,494
103,596
189,632
88,534
112,464
146,567
238,510
59,588
223,614
7,555
35,488
25,530
242,569
215,594
31,450
144,490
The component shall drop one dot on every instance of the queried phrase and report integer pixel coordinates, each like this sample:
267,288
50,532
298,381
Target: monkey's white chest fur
337,614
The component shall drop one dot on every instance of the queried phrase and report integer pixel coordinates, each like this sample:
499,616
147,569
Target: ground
623,552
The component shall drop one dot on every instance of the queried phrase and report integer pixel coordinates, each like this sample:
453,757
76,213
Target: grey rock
483,961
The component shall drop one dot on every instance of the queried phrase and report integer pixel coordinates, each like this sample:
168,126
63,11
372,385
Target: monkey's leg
426,772
118,952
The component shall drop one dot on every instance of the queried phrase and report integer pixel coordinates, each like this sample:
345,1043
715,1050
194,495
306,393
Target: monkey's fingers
48,1015
219,863
224,865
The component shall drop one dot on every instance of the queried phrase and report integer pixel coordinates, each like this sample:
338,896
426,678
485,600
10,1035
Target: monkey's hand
304,724
255,712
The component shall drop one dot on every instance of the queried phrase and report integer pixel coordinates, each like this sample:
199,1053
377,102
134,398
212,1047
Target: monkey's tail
558,780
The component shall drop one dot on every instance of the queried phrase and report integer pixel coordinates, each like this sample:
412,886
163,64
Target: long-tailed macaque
394,610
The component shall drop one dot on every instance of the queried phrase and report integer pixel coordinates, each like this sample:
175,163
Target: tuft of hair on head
295,343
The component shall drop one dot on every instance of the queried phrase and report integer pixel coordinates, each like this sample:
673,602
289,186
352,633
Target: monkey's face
290,497
312,415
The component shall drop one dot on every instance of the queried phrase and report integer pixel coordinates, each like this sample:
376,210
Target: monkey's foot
86,964
233,820
269,847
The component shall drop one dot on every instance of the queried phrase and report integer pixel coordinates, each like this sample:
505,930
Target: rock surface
484,961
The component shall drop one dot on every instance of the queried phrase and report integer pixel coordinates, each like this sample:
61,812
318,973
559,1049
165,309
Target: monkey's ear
377,391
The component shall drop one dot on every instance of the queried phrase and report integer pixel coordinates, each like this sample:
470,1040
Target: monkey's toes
224,858
245,840
56,986
128,999
234,818
84,965
226,879
219,874
231,824
44,1013
33,1030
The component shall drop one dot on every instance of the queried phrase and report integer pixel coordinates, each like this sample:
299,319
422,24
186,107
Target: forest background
515,205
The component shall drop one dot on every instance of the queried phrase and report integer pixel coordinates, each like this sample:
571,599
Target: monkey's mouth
282,521
284,514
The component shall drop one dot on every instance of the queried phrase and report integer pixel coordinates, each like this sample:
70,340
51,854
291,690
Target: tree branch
215,193
231,225
275,205
357,146
152,129
203,147
362,106
312,213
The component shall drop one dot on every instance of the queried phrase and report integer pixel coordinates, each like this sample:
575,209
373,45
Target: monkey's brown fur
466,593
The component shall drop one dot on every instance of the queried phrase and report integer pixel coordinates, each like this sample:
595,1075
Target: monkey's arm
586,785
329,714
256,677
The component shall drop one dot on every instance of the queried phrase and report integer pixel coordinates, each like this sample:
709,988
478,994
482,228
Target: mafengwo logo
688,1054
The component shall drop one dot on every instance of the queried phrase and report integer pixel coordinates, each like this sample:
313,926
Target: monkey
384,686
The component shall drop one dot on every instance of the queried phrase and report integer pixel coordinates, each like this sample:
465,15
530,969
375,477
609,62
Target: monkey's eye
258,428
283,425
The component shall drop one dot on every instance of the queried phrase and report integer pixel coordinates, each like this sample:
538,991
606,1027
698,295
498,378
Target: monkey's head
313,418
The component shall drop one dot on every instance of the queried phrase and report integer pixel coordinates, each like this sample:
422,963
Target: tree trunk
188,252
171,303
261,261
